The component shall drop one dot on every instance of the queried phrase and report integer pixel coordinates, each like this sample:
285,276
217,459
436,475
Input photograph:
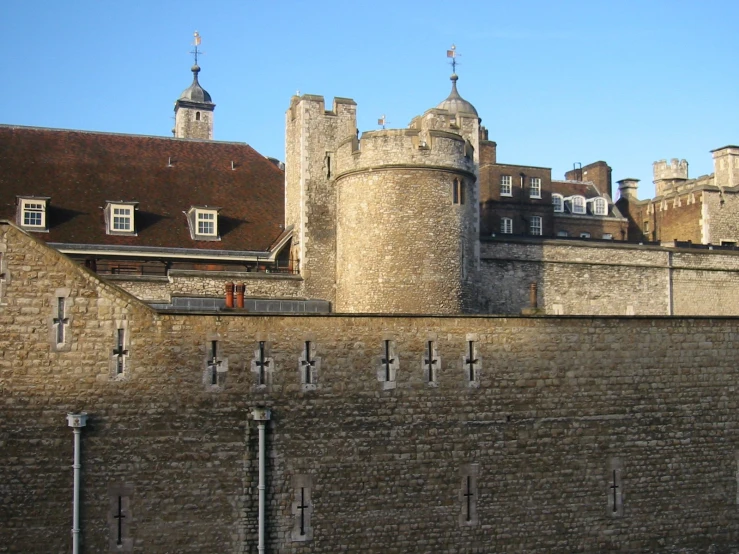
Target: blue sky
555,82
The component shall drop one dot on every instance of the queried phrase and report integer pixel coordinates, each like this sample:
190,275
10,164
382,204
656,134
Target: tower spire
196,42
452,53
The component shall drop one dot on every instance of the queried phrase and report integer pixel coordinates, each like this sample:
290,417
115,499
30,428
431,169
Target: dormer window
119,218
599,206
32,213
203,223
577,204
558,203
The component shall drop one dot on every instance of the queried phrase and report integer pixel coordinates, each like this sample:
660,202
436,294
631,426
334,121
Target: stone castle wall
556,404
210,284
607,279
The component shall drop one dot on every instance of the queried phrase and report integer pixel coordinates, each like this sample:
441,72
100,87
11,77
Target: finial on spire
196,42
452,53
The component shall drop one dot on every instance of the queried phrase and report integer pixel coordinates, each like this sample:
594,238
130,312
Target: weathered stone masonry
558,400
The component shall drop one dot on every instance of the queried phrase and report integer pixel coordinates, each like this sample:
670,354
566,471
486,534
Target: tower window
197,116
457,192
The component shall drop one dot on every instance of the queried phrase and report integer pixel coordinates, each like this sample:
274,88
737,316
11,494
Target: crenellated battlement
405,147
674,169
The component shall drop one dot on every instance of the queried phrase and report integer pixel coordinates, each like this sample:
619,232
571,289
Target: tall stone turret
311,139
193,111
726,166
668,175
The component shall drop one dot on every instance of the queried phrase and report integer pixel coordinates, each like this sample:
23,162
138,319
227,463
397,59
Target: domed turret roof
196,93
454,102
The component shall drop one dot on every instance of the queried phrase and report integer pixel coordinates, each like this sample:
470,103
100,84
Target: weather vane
452,53
382,121
196,43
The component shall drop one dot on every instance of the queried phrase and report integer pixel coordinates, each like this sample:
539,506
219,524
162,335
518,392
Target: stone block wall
556,407
607,279
210,284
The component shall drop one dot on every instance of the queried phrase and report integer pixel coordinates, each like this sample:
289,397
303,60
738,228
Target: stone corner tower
193,111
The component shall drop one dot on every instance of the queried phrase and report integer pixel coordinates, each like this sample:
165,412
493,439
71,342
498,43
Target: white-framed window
203,222
584,235
32,213
119,218
206,223
535,187
122,218
506,225
599,206
558,203
577,204
563,234
506,185
535,225
607,236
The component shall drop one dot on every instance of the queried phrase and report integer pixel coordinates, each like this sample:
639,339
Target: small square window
585,235
506,188
506,225
203,223
535,188
563,234
206,223
119,218
32,213
122,219
535,225
607,236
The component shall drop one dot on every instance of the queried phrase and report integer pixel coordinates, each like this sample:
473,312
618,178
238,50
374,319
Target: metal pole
76,421
261,415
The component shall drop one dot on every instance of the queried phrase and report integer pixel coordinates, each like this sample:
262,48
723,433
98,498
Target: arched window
558,202
600,206
577,204
197,116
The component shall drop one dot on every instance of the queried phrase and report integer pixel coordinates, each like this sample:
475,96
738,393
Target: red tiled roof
81,171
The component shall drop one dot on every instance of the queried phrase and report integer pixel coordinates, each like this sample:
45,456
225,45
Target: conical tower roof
454,102
196,93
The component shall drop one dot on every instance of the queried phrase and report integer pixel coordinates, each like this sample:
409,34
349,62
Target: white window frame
198,215
118,213
607,236
207,222
584,235
506,185
577,204
563,234
35,206
558,202
535,187
535,226
599,206
506,225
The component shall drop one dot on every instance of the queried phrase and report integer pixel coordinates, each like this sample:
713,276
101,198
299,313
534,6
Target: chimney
240,290
627,188
229,295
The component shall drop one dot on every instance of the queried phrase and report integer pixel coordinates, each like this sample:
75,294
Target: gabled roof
80,171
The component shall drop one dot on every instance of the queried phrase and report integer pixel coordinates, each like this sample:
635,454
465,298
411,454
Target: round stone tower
407,216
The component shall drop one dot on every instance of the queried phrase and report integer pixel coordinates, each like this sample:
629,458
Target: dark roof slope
81,171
